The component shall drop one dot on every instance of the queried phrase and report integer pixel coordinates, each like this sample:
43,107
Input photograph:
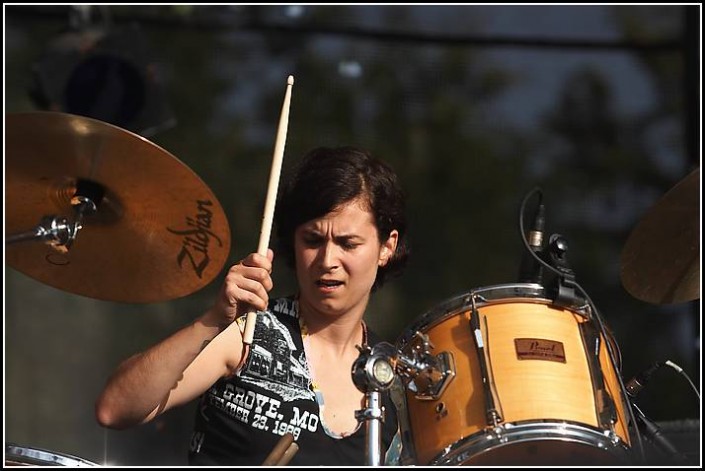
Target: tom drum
528,383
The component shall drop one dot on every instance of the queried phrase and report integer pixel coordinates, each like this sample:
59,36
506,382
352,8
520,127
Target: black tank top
240,419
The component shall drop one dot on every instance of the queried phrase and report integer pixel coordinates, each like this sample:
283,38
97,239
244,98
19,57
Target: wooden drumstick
270,202
288,454
277,453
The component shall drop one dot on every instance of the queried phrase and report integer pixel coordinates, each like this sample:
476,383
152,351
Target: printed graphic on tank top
241,418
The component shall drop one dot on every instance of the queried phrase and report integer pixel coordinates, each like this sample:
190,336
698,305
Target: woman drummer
341,227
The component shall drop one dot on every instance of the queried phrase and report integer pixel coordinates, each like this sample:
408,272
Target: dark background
474,106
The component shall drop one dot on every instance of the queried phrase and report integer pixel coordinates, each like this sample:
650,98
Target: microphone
530,270
637,383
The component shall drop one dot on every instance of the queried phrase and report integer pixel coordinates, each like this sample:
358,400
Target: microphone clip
565,286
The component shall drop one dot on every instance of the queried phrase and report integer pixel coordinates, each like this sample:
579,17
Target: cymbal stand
372,373
57,231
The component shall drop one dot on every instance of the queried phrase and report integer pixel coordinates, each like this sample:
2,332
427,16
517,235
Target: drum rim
523,292
532,431
42,456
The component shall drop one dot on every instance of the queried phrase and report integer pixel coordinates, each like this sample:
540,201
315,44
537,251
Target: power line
243,21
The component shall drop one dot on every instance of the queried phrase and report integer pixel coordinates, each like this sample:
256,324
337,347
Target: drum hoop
41,456
518,432
495,294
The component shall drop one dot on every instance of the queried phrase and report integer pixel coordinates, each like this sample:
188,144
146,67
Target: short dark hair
327,178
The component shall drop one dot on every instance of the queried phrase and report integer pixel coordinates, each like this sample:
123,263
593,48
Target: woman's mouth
328,285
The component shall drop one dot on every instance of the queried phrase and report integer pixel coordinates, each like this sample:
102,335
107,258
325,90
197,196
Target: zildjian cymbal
661,259
134,223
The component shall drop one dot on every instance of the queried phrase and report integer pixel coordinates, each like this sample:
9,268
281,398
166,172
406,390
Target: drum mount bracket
425,374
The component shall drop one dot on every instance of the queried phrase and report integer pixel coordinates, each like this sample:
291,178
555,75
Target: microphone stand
372,373
373,413
653,432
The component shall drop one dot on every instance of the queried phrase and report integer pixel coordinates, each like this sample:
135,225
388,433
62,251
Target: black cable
656,436
650,429
670,364
610,352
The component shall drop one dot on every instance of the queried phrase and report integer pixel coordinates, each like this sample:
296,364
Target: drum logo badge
539,349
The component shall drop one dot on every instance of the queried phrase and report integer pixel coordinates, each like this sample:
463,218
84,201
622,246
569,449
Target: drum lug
497,433
612,437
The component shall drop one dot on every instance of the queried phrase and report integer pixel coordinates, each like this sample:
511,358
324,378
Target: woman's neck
340,334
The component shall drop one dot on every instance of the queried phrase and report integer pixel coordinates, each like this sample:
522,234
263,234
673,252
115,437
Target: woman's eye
312,241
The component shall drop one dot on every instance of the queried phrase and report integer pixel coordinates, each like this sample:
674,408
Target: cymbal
660,261
157,232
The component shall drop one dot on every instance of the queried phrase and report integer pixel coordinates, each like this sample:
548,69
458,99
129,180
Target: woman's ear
388,248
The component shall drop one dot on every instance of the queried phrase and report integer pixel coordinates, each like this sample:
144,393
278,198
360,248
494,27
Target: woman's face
337,257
